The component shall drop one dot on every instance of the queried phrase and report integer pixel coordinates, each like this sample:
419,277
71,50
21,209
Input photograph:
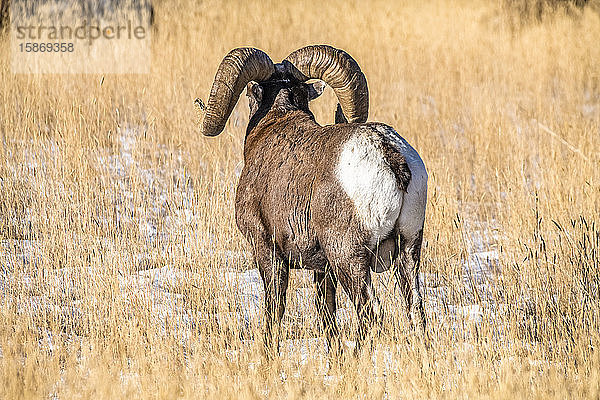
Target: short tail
398,165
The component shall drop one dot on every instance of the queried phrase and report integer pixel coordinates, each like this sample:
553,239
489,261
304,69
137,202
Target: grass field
122,274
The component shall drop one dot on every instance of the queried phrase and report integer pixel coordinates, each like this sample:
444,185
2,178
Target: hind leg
403,281
407,274
353,272
274,271
390,255
326,285
273,267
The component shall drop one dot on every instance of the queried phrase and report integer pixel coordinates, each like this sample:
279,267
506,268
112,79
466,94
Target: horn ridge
340,71
240,66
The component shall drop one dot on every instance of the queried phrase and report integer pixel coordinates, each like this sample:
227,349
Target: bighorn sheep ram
340,200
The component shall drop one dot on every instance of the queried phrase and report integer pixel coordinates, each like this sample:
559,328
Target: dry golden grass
118,244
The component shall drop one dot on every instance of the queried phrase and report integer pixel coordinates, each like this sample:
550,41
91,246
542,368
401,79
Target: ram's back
321,186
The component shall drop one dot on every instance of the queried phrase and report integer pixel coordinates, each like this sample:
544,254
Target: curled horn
239,67
340,71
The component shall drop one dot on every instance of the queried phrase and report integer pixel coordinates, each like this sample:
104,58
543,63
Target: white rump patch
370,183
412,214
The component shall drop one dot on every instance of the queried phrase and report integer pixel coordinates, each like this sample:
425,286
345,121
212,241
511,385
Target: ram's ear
255,91
315,89
340,118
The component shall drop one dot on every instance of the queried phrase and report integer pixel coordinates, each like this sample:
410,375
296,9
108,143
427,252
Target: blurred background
122,273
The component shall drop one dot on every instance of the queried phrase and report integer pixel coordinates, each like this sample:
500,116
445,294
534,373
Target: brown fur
292,209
